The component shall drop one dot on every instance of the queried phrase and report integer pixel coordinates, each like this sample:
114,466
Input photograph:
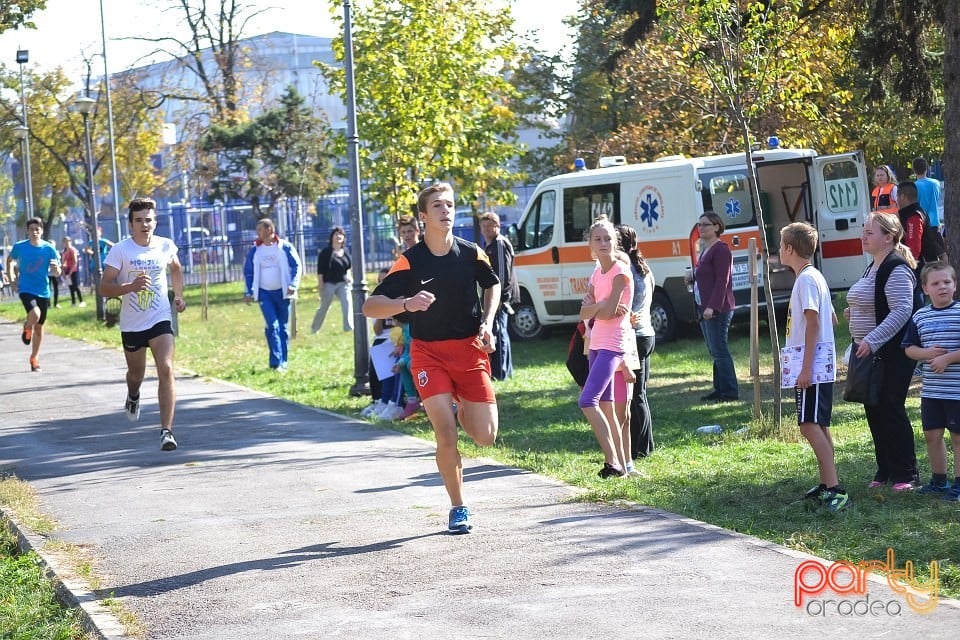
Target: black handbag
577,362
864,379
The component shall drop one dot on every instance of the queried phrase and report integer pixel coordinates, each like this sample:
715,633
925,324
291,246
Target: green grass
29,609
748,483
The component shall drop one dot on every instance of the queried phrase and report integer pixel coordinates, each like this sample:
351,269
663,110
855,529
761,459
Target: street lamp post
23,56
85,106
361,357
113,150
21,133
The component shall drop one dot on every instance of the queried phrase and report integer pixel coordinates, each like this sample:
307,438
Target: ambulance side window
583,205
728,195
841,182
536,229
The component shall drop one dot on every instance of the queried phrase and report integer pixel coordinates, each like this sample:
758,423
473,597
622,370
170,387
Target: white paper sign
383,359
824,364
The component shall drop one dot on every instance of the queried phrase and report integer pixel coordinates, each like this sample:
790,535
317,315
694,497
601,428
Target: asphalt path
277,521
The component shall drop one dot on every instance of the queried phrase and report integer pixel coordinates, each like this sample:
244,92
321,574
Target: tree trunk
765,266
951,165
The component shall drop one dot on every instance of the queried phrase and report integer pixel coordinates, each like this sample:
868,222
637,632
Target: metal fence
221,235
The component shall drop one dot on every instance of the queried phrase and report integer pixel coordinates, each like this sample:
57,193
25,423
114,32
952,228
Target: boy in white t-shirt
136,270
809,322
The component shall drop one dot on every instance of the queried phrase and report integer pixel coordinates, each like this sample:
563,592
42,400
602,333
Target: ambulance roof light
611,161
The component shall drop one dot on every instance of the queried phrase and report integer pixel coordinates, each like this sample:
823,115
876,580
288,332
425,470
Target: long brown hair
627,239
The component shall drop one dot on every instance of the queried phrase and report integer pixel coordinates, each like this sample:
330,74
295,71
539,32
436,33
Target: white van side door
840,190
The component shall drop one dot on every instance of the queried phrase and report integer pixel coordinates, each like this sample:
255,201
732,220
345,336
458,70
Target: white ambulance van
663,200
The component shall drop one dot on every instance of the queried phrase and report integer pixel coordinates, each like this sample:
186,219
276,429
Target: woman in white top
271,274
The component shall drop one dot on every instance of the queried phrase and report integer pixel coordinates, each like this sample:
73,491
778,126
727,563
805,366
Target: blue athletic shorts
937,413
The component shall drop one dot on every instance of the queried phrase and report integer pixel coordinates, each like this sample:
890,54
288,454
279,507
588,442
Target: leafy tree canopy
17,13
57,146
280,153
433,95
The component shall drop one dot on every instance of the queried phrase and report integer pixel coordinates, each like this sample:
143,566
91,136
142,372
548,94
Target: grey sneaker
132,408
167,441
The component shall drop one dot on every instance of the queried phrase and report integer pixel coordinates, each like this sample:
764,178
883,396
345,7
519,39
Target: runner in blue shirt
36,260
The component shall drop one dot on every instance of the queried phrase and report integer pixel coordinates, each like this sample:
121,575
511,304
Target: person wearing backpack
922,238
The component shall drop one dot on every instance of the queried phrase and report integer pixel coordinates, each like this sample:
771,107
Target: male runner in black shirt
435,284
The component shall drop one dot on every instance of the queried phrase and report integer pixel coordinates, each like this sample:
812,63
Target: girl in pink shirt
607,307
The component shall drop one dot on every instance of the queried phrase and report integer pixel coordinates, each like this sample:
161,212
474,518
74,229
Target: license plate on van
741,274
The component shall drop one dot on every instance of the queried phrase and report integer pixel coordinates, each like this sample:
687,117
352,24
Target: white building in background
267,65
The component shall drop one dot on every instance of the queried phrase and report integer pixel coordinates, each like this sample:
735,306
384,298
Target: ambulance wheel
663,317
524,323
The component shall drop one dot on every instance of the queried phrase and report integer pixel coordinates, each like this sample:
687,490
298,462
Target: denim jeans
276,313
724,375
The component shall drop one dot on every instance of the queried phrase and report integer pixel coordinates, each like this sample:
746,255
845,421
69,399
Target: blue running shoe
933,488
953,494
460,520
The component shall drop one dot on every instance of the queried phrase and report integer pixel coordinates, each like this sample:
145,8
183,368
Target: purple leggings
599,385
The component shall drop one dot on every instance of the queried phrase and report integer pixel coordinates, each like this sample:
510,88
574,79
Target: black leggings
55,285
75,295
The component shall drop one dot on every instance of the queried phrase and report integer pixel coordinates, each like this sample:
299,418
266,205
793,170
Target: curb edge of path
96,619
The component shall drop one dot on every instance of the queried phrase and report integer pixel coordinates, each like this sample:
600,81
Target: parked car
463,224
194,240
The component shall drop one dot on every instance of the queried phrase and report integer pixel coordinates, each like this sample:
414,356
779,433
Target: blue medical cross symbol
733,208
650,214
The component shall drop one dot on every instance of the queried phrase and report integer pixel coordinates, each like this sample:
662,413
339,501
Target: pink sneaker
875,484
409,409
903,486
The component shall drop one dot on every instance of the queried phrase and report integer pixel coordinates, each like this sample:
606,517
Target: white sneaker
131,408
369,409
380,408
393,412
388,410
167,441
